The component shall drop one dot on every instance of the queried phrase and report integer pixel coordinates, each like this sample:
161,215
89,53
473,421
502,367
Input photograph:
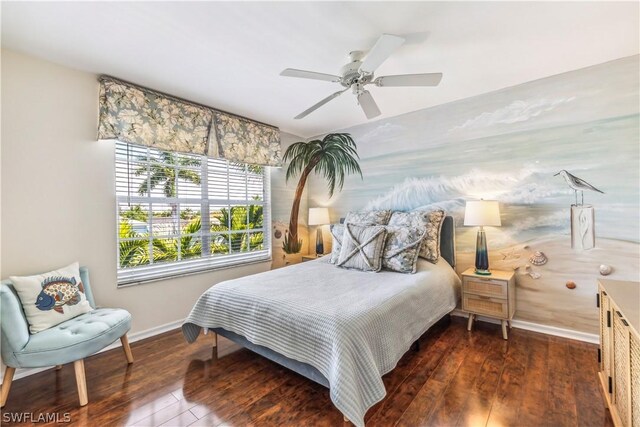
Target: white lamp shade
319,216
482,212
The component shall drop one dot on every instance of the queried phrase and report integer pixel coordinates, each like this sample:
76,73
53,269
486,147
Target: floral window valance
137,115
240,139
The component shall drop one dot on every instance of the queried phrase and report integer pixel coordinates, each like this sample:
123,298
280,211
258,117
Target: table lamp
479,213
319,216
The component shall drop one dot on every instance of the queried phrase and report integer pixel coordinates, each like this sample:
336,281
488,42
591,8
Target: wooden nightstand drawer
492,296
487,287
485,305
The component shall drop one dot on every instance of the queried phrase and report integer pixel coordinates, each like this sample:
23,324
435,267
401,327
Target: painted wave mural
508,145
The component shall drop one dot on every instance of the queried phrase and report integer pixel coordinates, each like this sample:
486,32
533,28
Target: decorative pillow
432,221
362,247
368,218
402,248
337,231
51,298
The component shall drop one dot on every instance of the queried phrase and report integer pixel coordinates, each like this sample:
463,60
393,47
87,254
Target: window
183,213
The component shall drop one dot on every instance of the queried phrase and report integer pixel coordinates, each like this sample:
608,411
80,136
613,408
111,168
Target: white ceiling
228,55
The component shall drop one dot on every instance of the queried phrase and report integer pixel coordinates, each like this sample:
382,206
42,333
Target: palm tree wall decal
333,157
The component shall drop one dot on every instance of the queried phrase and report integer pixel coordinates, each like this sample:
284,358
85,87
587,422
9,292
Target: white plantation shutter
185,213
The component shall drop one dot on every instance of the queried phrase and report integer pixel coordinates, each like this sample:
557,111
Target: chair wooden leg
215,339
81,381
6,383
127,350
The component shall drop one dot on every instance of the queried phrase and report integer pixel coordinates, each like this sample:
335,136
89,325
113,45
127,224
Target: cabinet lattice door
621,368
634,353
620,350
605,336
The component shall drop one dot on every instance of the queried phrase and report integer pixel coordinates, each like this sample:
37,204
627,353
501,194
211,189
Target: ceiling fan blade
292,72
426,79
384,47
368,105
319,104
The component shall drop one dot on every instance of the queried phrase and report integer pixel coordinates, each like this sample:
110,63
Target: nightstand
491,296
310,257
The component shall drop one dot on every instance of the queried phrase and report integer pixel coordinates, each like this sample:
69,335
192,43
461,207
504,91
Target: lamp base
483,272
482,257
319,242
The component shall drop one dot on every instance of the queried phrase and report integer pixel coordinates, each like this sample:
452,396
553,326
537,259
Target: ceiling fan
359,72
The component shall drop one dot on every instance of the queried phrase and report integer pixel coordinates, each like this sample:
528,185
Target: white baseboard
543,329
147,333
535,327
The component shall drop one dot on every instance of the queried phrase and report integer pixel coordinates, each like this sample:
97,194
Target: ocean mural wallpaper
535,148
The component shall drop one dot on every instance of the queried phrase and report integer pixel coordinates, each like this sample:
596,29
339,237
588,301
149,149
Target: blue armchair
69,341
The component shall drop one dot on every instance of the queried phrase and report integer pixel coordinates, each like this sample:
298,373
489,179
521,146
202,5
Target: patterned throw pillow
432,220
368,217
337,231
362,247
51,298
402,248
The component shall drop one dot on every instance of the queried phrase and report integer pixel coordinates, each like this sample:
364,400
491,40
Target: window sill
133,278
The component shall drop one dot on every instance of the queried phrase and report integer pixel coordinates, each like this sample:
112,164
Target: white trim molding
137,336
543,329
521,324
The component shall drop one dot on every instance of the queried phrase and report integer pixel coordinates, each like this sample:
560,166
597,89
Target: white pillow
362,247
51,298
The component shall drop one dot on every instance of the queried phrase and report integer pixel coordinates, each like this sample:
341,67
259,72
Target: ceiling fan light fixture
359,72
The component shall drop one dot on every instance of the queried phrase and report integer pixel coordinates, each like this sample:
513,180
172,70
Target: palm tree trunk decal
333,158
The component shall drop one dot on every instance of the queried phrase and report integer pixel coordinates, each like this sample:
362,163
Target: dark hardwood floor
456,378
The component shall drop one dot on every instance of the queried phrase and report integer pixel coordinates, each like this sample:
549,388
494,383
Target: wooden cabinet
492,296
619,352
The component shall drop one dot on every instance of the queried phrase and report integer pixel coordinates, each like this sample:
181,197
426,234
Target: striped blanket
352,326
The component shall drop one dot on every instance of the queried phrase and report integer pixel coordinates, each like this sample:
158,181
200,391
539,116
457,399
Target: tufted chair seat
70,341
74,339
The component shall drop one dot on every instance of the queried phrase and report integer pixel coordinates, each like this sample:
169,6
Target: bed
341,328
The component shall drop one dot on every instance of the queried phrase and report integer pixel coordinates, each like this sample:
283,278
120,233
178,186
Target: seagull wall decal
577,184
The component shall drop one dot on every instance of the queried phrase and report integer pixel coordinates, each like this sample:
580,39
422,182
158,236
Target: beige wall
58,201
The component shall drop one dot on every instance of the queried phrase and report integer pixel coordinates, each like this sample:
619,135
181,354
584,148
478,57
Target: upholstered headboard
447,240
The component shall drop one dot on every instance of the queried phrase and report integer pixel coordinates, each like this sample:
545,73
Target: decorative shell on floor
571,284
538,258
605,270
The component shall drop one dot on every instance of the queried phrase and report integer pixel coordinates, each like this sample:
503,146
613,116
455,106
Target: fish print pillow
51,298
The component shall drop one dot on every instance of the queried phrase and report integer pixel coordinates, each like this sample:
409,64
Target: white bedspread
352,326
